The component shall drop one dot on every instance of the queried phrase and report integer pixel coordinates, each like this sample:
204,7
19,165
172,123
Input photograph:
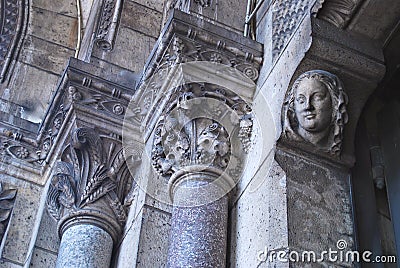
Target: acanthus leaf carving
193,130
92,176
7,200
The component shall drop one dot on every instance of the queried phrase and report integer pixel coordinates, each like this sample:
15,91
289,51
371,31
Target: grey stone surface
153,243
129,246
259,219
130,45
199,235
4,263
149,22
47,235
230,14
145,242
153,4
85,246
43,258
67,7
318,204
32,89
48,56
53,27
22,221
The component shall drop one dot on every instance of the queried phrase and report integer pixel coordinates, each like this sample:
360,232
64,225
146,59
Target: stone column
203,156
87,196
199,218
85,246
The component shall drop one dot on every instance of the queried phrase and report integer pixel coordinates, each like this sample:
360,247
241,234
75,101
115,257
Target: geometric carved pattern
107,24
286,16
12,21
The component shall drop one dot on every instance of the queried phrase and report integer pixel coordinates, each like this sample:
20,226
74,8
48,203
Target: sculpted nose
309,104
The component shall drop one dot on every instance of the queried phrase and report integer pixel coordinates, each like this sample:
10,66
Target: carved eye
301,99
319,96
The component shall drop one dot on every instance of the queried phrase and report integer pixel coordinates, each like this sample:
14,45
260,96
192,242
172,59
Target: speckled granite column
85,245
199,220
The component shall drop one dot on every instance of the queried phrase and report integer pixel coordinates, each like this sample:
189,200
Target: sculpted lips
309,116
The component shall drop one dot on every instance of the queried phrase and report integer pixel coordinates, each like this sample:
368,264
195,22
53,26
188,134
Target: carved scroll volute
108,24
94,182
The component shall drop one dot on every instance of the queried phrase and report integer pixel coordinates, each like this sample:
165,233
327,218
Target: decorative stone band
108,23
208,184
91,217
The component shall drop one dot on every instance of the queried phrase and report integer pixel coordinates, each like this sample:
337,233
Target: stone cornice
187,39
81,87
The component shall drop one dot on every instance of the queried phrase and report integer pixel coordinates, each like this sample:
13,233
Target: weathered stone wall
140,25
51,37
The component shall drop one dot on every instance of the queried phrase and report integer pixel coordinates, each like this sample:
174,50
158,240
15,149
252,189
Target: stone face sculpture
315,111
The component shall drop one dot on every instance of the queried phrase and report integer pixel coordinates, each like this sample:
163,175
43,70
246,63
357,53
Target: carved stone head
315,111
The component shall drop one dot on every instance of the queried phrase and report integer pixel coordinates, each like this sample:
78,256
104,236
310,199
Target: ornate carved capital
204,125
184,43
91,183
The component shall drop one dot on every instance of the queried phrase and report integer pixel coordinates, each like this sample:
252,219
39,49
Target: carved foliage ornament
198,129
96,177
7,200
315,111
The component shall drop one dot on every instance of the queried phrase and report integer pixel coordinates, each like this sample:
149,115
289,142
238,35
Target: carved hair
339,113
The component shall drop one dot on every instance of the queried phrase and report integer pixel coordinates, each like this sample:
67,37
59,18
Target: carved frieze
7,200
315,112
91,182
77,88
